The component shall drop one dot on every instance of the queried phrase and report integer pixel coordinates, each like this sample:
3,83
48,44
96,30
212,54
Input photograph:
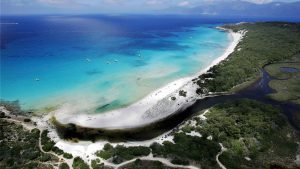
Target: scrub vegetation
188,148
95,164
19,148
121,153
182,93
145,164
263,43
64,166
48,145
78,163
255,134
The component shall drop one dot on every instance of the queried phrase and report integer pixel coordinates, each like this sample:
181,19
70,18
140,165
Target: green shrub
137,161
64,166
47,143
182,93
44,137
129,153
121,152
107,147
190,148
157,149
67,156
180,161
35,134
2,115
104,154
48,146
27,120
97,160
117,160
30,165
45,157
57,150
31,155
95,164
78,163
10,162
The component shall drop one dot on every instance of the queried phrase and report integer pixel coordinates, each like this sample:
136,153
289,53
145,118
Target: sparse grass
286,90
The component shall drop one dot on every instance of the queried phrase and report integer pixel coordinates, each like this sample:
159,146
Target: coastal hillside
263,44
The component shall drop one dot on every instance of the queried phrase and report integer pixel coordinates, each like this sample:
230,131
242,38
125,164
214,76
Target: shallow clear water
101,62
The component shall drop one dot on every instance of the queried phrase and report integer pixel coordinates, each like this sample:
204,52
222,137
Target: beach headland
158,105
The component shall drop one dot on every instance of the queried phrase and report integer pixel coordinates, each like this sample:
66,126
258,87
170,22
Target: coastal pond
289,69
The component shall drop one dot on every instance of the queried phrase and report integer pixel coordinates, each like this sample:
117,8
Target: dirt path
217,157
150,157
27,126
60,157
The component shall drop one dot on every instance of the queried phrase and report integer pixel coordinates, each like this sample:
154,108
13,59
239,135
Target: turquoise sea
101,62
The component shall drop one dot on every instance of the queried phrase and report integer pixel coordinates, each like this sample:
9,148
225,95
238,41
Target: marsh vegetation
286,80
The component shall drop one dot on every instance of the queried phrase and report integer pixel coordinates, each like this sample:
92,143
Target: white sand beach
87,149
154,107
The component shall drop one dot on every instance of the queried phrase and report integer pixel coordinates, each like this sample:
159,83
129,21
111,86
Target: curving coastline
197,139
154,107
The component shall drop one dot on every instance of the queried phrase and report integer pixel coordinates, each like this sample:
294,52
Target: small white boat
37,79
116,60
88,60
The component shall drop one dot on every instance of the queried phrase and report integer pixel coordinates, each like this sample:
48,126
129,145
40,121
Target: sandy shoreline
155,106
87,149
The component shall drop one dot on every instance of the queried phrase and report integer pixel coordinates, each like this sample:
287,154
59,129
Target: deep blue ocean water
101,61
